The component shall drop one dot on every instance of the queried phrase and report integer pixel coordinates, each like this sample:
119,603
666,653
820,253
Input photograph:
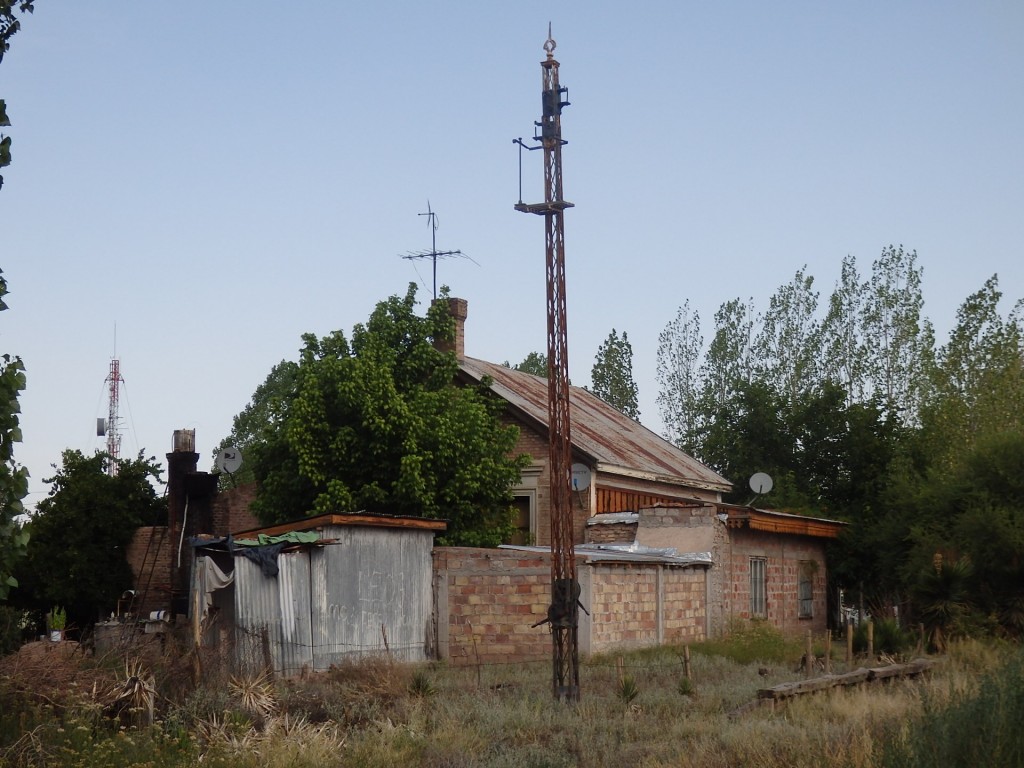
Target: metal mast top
114,382
563,612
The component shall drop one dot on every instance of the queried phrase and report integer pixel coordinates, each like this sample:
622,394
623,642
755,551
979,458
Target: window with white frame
758,587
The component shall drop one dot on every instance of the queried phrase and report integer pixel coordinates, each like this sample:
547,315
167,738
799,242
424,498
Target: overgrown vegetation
635,710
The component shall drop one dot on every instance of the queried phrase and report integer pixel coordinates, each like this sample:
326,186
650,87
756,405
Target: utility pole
563,614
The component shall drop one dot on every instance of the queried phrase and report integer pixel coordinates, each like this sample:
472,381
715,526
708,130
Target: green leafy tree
728,364
678,372
379,424
977,386
262,417
786,347
13,478
81,531
612,374
535,363
9,26
843,353
899,340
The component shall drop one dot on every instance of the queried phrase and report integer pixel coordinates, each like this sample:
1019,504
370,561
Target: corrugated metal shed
364,587
610,439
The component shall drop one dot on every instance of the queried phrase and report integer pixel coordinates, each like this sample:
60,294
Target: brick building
619,464
766,565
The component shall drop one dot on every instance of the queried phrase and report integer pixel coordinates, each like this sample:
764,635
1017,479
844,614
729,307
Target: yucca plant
420,684
255,694
942,597
134,694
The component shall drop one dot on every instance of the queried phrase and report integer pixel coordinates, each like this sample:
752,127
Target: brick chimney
458,309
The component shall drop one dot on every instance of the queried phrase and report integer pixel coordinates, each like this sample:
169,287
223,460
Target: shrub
983,725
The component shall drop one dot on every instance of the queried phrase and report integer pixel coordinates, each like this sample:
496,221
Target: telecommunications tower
113,422
563,613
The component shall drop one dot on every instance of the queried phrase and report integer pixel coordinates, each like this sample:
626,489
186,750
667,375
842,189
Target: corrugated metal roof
625,553
604,434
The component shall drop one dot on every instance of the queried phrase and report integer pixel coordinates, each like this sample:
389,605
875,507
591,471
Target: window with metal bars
758,587
806,588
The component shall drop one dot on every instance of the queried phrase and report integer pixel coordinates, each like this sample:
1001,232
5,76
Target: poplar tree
787,357
679,349
612,375
899,340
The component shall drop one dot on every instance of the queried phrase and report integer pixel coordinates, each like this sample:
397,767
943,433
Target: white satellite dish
761,482
580,477
229,460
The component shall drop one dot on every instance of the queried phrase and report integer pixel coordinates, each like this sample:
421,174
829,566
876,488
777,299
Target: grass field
636,709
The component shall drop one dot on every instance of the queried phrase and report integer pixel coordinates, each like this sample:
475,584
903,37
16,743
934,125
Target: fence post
871,640
849,641
686,662
828,652
809,654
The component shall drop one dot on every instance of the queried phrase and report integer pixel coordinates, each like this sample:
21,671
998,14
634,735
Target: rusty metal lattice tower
563,612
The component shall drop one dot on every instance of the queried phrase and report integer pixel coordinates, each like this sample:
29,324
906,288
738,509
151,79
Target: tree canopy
378,423
13,478
80,534
857,415
9,26
535,363
612,375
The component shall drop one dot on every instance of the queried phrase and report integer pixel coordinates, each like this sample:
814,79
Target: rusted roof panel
601,432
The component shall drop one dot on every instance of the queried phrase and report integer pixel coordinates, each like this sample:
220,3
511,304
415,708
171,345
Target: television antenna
433,254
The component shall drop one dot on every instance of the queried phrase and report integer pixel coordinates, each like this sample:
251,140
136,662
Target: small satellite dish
229,460
761,482
580,477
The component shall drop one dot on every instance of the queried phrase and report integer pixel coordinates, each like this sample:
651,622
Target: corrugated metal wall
371,583
273,625
336,602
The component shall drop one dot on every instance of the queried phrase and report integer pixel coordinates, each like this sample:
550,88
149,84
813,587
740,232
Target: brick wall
230,510
491,598
611,533
149,556
783,556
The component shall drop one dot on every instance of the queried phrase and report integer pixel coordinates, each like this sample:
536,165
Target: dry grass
380,713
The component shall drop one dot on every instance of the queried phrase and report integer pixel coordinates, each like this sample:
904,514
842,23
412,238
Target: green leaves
612,374
378,424
82,529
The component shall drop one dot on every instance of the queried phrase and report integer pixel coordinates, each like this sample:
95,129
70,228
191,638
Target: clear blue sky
215,180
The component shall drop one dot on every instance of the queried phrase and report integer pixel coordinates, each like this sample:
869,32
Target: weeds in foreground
380,713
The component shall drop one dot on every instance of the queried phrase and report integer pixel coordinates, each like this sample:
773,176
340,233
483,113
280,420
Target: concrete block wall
634,606
611,533
485,601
